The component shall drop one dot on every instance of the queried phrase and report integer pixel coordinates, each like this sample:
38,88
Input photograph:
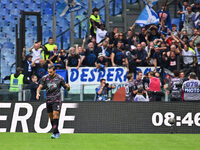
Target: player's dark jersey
176,88
129,91
52,86
137,84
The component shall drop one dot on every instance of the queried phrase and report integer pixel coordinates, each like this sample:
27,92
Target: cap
101,54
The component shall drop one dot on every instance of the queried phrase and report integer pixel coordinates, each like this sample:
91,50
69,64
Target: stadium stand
127,41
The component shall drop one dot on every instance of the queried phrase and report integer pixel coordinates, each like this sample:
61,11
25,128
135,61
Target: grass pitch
36,141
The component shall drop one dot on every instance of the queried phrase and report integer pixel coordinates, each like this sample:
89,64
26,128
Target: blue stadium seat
29,2
176,21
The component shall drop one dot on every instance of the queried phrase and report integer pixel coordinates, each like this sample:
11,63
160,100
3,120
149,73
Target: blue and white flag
70,6
151,3
147,16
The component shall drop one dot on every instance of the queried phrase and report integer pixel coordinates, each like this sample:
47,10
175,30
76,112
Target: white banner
90,78
91,75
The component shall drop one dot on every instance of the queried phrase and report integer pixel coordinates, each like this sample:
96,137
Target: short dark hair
129,76
50,38
176,73
139,72
33,76
52,67
174,25
102,80
193,75
152,73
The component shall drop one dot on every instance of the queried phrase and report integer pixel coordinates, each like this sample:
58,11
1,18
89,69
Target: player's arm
38,91
65,85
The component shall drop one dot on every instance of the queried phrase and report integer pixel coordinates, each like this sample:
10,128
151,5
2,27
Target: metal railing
107,14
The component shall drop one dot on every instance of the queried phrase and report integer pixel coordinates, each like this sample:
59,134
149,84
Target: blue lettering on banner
125,77
110,74
92,75
102,73
119,74
84,74
74,75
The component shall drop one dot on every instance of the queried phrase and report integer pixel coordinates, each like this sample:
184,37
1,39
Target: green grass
35,141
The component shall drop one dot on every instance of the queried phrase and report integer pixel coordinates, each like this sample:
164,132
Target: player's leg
56,115
51,117
50,114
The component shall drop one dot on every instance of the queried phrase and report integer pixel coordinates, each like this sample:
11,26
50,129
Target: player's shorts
55,106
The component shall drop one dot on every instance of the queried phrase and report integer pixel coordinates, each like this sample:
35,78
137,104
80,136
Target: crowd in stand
155,45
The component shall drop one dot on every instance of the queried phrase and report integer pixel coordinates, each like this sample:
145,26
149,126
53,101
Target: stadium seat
176,21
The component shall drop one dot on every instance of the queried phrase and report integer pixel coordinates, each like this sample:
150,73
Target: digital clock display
189,119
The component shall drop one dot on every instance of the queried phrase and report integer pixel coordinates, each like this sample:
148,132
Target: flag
147,16
70,6
196,19
151,3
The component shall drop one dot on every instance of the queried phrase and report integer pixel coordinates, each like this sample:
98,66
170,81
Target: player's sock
55,126
52,123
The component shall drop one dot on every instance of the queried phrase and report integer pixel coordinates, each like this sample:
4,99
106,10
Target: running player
52,82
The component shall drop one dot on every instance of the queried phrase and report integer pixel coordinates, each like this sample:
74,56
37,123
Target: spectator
81,54
62,56
106,51
139,97
41,68
36,53
138,83
158,59
53,55
188,23
150,54
176,87
188,60
33,87
118,56
182,8
154,87
174,30
49,47
131,57
129,88
142,35
171,61
152,33
164,16
197,50
191,88
27,64
182,76
196,37
90,55
101,62
100,33
112,34
129,38
141,56
73,59
95,21
102,91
